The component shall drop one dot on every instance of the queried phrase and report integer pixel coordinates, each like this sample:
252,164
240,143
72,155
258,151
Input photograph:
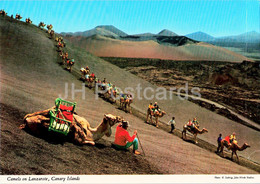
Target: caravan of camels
79,129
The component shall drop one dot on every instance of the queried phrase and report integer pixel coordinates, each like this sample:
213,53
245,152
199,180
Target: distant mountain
166,32
113,29
145,34
248,37
109,31
200,36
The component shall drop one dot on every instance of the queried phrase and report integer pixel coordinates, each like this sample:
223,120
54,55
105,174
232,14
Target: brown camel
104,128
157,114
49,27
90,82
195,131
111,95
2,12
38,124
18,17
84,72
125,103
28,20
52,34
41,25
69,64
234,147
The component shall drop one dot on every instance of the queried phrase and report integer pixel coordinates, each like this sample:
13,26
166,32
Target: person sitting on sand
172,122
123,140
219,142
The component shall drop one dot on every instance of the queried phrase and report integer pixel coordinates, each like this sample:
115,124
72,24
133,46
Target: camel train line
79,129
62,118
110,92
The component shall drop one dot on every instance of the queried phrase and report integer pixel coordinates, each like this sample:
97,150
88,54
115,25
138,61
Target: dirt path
221,106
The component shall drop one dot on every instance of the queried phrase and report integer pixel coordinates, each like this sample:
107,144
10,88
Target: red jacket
122,136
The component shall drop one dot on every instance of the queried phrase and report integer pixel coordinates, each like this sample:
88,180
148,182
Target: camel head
160,113
109,121
204,130
246,145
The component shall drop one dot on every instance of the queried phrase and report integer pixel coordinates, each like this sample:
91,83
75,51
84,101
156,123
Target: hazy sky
217,18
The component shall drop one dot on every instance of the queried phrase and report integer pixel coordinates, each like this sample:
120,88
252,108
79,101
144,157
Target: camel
52,34
41,25
49,27
80,130
69,64
90,82
2,12
111,95
104,128
157,114
125,103
195,131
234,147
18,17
28,21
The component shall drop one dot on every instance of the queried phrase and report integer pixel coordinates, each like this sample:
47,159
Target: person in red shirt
123,140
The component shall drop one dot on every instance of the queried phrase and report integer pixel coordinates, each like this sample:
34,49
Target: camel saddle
62,117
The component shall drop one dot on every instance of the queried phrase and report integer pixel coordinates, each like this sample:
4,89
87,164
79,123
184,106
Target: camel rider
130,97
87,68
92,75
195,122
155,107
87,76
232,137
66,55
123,140
115,89
190,124
150,106
105,80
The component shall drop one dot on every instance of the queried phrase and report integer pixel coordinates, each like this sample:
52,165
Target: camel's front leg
147,117
130,110
237,157
195,136
156,121
183,133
